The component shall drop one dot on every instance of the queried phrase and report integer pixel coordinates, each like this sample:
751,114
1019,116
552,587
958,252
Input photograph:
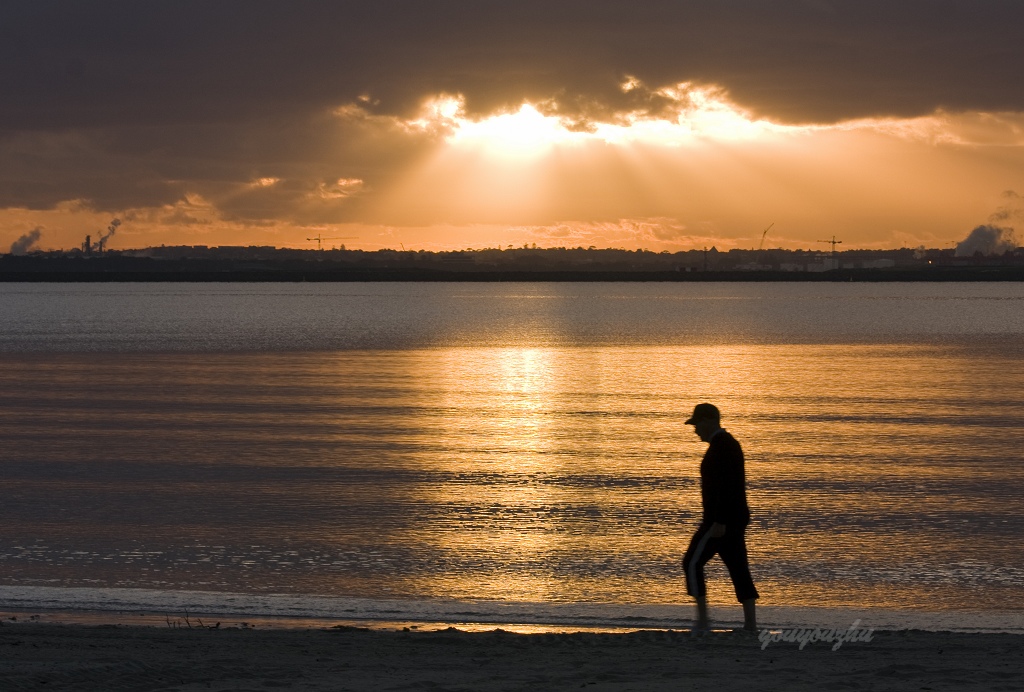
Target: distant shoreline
270,265
348,274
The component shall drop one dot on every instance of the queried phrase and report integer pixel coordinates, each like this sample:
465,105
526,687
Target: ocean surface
509,452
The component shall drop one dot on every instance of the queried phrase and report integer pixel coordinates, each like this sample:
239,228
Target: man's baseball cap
703,412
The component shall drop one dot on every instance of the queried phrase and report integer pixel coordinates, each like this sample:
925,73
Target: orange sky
638,161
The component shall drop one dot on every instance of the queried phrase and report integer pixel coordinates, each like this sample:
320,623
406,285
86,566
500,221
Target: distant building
870,264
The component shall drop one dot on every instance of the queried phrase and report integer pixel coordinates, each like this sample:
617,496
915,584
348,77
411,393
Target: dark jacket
723,490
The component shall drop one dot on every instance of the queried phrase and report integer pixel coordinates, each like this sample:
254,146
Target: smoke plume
988,240
25,242
994,238
111,229
1013,209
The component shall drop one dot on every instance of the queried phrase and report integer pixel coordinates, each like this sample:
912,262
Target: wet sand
116,657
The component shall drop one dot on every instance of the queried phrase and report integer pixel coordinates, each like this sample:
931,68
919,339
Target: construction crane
833,243
320,239
764,235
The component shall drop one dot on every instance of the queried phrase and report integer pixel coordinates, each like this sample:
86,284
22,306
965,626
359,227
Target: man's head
705,420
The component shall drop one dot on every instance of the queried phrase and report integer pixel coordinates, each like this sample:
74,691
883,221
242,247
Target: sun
526,133
696,115
523,135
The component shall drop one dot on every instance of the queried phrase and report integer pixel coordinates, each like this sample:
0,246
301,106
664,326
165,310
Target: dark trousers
733,549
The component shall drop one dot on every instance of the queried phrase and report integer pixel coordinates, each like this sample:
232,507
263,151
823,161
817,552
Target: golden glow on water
524,385
878,474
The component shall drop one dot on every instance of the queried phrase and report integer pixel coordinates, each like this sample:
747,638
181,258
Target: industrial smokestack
23,244
987,240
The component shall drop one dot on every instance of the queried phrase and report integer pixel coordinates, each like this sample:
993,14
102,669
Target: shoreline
113,657
186,620
723,619
132,606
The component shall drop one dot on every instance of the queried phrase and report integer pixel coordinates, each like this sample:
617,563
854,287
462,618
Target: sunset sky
443,125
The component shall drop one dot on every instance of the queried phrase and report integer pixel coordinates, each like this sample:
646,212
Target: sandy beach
117,657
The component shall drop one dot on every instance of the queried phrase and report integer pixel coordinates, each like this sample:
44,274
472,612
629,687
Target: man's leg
733,549
702,622
702,548
750,614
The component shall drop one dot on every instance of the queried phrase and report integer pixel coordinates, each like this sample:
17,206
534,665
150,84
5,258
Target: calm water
519,443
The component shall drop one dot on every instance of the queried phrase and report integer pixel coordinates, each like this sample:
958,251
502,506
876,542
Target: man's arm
724,474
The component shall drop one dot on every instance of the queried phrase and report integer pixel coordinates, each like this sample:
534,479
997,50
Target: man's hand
717,530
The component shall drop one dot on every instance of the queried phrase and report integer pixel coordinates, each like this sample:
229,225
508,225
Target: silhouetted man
723,495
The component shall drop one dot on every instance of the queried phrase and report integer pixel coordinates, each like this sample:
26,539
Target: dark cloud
115,168
135,104
70,63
